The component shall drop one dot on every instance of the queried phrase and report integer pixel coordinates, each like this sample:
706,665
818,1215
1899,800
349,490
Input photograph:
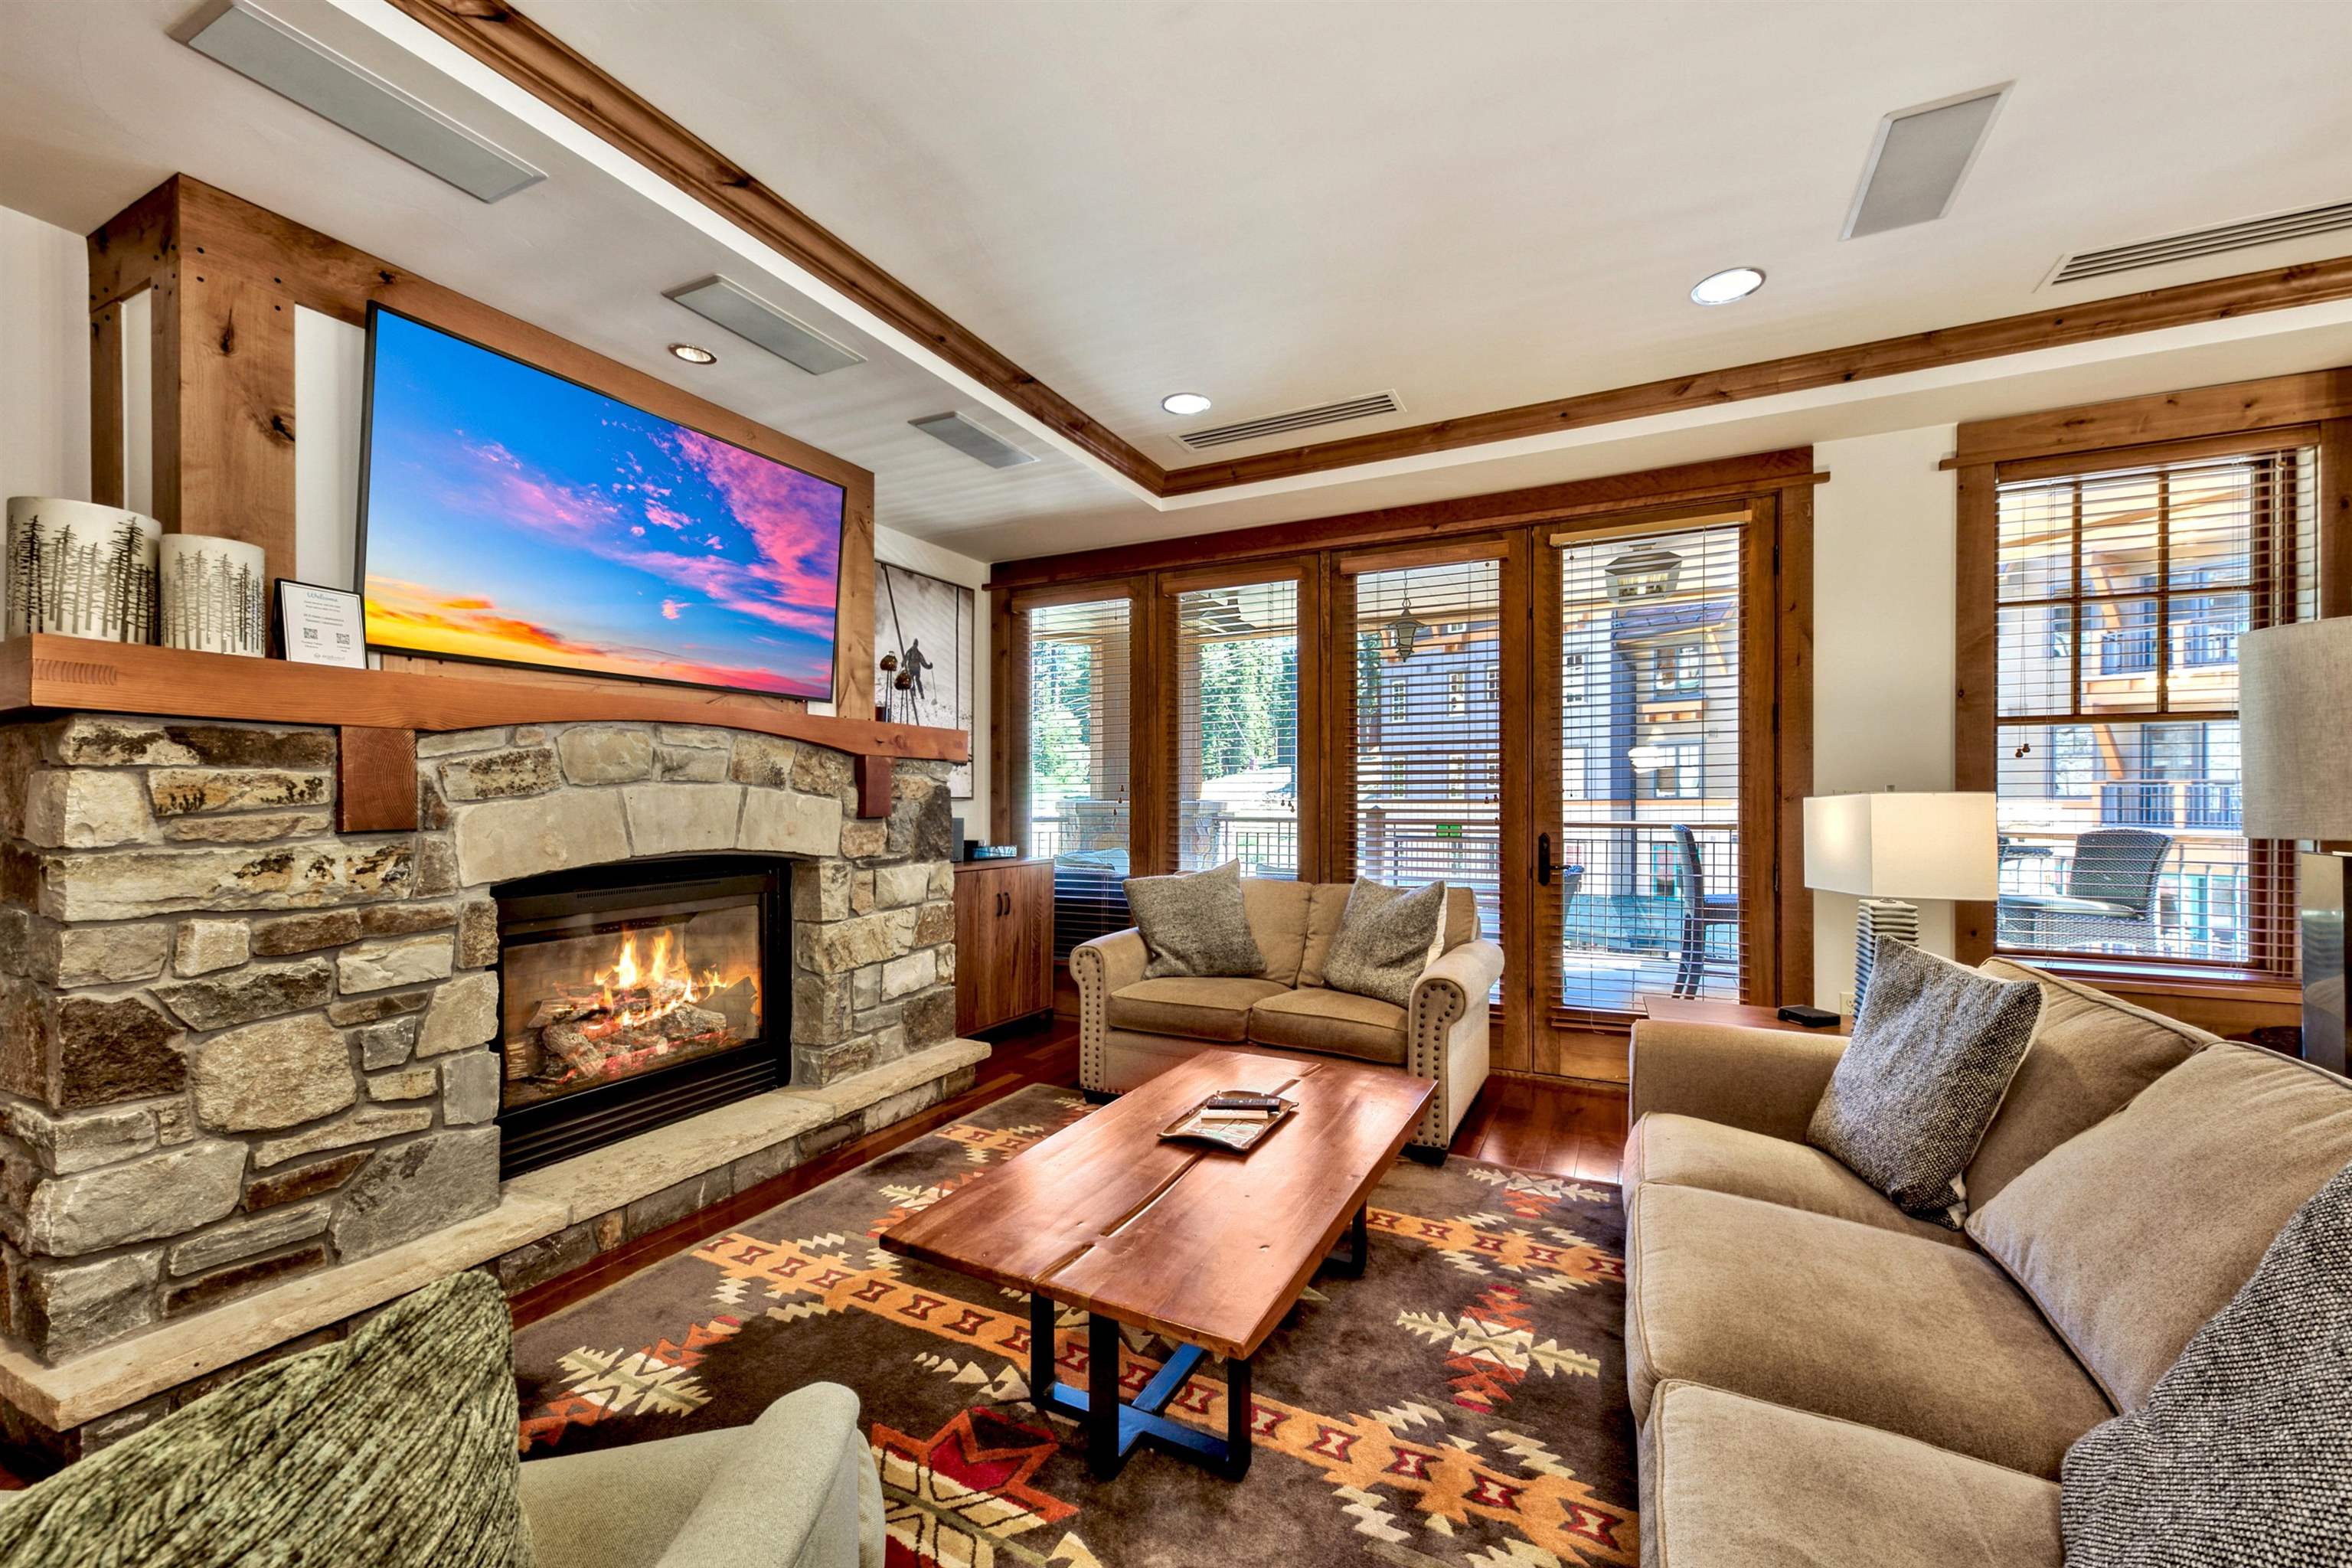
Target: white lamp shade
1895,846
2294,708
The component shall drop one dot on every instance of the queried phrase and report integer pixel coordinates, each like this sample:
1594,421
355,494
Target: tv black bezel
360,556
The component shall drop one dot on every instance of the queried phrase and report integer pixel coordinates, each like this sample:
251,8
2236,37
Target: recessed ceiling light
693,355
1185,403
1723,288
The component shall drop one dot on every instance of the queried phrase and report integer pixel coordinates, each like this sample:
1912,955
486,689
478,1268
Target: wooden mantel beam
49,672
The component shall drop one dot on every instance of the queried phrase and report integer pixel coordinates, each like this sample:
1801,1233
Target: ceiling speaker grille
1296,419
2243,236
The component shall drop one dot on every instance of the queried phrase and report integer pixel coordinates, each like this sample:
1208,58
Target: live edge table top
1205,1245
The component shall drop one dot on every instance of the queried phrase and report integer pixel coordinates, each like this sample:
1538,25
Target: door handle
1543,859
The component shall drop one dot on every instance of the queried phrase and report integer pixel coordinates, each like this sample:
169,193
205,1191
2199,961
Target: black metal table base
1108,1443
1139,1420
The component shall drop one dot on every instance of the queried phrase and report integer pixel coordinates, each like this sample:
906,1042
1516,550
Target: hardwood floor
1546,1124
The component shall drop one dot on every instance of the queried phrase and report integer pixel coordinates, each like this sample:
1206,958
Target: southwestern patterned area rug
1464,1403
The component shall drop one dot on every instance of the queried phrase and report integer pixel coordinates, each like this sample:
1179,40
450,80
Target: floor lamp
1890,848
2295,691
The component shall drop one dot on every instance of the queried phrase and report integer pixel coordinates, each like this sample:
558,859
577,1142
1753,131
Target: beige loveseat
1130,1028
1821,1380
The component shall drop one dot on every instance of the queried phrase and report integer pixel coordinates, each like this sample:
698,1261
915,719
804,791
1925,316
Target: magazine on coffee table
1233,1119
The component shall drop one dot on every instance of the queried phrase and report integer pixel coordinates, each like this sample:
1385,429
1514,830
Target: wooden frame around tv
225,278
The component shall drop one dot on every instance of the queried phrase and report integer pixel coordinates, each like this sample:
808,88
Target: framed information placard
320,626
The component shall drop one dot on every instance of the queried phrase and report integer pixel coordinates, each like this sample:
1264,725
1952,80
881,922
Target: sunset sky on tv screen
514,516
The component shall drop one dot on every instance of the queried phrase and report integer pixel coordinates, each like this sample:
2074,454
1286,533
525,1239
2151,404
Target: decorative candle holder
215,594
79,570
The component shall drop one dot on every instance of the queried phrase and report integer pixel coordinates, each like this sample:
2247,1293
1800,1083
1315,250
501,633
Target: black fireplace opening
633,995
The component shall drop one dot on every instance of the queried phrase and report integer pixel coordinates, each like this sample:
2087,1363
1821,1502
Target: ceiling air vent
253,43
2243,236
1296,419
973,439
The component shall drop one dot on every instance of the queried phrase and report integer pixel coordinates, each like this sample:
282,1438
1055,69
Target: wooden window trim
2244,417
1167,706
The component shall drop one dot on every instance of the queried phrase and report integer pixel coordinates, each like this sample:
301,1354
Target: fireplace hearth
632,996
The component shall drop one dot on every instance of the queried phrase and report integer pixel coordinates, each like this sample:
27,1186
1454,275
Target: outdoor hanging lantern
1648,573
1405,633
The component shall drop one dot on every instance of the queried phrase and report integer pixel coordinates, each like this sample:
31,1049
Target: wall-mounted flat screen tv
509,516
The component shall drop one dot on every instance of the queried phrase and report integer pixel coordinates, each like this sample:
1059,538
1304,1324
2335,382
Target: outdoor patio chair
1701,909
2110,893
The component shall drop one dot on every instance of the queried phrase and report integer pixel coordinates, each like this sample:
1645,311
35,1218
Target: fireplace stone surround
248,1072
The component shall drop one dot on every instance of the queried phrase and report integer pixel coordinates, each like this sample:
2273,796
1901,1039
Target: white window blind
1428,781
2122,594
1236,759
1647,885
1079,750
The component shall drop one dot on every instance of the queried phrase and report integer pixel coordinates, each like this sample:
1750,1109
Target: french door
1577,720
1654,785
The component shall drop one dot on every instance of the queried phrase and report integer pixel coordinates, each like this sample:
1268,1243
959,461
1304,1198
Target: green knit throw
395,1445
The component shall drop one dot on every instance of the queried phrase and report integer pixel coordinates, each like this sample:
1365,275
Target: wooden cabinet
1004,941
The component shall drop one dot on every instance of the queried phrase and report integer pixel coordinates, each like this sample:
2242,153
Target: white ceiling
1277,204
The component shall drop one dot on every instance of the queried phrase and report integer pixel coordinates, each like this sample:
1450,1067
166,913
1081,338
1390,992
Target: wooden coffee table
1208,1247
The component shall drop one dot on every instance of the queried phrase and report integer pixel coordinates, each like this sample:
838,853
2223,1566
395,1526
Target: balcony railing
2209,804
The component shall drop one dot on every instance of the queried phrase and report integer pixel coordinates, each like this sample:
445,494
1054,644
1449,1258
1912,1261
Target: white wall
44,360
329,377
1883,631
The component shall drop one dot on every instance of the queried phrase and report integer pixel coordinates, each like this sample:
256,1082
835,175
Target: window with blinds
2122,595
1078,762
1429,718
1645,889
1237,761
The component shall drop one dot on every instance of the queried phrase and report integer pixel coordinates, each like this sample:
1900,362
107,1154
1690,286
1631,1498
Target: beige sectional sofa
1821,1380
1132,1030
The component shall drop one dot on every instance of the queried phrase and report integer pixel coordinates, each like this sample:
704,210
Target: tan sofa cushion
1203,1009
1333,1023
1821,1315
1733,1482
2133,1232
1276,908
1686,1152
2092,1052
1461,917
1327,902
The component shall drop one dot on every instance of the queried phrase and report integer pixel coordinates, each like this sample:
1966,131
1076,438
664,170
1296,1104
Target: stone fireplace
256,1072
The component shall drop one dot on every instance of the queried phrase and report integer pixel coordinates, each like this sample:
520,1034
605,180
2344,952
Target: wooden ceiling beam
558,76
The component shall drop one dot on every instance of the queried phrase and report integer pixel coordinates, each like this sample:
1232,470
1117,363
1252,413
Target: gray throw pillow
395,1446
2242,1456
1934,1048
1385,940
1194,924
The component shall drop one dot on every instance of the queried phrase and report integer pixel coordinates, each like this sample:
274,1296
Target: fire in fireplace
634,995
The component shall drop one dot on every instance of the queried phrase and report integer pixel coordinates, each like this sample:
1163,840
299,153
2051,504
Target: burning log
738,1004
523,1057
606,1023
567,1007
